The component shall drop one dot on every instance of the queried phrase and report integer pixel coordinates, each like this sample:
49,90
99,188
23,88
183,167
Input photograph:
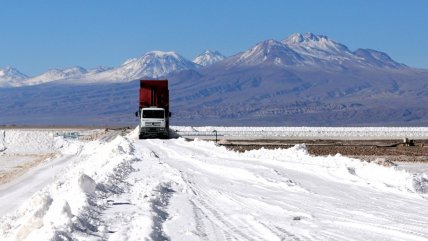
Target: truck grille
148,124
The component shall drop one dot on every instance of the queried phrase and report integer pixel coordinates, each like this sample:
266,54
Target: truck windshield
155,114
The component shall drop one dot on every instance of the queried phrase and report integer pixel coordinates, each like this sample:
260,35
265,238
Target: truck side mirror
136,113
170,114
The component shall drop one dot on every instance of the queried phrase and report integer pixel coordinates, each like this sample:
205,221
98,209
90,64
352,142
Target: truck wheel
141,136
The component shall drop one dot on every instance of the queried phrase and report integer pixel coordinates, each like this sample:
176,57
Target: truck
153,111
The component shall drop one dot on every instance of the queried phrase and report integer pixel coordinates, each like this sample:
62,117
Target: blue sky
40,35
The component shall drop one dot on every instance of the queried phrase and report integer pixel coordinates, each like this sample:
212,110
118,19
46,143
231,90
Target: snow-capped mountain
310,50
318,46
153,64
11,77
208,58
267,52
56,74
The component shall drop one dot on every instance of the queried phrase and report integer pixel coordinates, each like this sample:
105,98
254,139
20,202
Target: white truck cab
153,122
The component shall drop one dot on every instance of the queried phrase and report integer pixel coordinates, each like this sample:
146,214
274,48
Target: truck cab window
155,114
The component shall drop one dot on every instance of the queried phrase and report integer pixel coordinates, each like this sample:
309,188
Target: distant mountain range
305,79
153,65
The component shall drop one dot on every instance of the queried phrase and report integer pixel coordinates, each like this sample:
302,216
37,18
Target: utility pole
215,135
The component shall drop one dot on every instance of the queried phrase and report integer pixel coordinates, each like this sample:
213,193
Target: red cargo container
154,93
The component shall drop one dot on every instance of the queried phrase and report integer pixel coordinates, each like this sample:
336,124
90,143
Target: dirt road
388,150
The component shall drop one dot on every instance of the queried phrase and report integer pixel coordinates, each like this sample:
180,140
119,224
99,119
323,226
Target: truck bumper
148,132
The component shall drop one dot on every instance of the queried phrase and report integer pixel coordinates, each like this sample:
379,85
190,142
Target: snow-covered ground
130,189
306,133
415,167
20,150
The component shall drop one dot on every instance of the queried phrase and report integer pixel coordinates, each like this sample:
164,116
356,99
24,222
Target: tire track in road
209,213
238,197
159,205
235,227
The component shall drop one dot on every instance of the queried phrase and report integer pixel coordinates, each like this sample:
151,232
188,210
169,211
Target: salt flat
128,189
